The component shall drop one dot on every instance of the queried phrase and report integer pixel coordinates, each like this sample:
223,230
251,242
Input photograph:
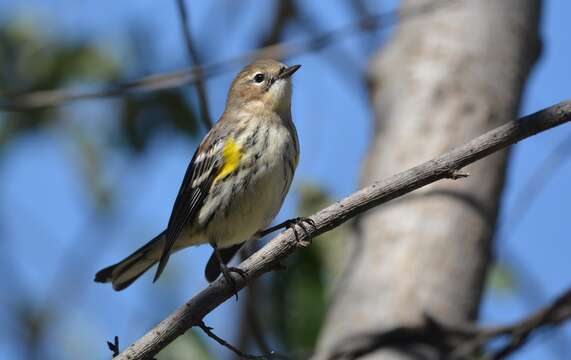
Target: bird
235,183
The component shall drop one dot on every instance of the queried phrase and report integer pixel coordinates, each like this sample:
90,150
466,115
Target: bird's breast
248,199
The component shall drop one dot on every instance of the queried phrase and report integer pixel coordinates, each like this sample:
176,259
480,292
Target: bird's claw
238,271
302,222
230,280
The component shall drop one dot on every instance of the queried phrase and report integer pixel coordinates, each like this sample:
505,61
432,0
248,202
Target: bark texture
445,77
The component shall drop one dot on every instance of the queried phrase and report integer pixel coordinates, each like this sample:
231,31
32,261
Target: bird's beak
288,72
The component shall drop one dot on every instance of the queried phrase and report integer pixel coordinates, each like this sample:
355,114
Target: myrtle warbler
237,179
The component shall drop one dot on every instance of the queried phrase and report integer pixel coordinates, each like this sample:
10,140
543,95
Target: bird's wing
208,164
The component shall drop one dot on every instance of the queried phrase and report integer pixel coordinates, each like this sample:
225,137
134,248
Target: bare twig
459,341
56,97
195,64
208,331
283,245
458,174
114,346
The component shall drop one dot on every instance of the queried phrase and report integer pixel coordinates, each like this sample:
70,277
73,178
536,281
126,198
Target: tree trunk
447,76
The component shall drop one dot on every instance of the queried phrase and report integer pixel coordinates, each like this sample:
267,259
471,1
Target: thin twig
190,75
208,331
380,192
195,64
114,346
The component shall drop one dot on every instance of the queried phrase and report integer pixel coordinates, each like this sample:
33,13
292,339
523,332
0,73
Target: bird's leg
226,271
291,224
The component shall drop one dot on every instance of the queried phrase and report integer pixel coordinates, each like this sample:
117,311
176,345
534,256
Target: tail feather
125,272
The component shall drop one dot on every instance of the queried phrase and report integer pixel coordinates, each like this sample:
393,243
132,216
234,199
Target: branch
193,57
460,342
191,75
283,245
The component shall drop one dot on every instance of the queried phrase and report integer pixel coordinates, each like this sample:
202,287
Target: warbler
236,181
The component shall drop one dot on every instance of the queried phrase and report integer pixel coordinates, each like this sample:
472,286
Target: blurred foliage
299,301
332,246
32,326
144,115
301,293
92,165
501,279
31,61
188,346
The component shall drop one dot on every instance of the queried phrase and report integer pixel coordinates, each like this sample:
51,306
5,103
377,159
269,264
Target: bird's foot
226,272
303,223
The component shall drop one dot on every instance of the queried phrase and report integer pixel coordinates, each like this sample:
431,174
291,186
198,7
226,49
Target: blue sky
42,218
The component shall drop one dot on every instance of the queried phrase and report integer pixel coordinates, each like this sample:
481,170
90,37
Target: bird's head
264,83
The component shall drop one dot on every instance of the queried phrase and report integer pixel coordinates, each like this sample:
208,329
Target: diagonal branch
195,63
446,166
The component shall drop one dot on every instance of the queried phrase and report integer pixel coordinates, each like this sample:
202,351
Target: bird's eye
259,78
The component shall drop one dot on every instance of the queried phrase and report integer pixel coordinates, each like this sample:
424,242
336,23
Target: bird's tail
125,272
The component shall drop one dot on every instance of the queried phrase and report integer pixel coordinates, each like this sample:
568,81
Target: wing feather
200,174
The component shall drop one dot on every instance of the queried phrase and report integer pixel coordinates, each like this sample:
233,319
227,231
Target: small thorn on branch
458,174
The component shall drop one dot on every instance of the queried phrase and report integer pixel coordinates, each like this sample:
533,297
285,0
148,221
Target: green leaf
501,279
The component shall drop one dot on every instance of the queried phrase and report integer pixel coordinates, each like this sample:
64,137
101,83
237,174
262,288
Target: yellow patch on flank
231,155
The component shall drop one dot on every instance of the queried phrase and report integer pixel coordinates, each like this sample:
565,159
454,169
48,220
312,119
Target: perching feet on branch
226,271
302,222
